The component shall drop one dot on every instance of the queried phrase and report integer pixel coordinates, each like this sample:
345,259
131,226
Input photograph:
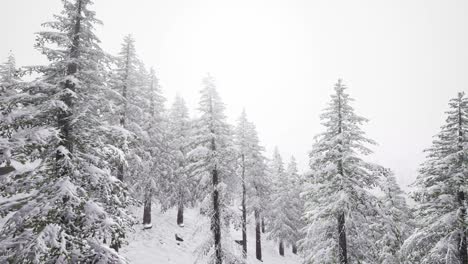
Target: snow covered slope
159,246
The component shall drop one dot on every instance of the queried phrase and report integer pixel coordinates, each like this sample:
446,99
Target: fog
402,61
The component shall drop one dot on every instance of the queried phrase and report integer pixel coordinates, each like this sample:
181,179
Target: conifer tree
339,207
212,161
440,235
252,169
153,146
281,224
296,207
75,206
394,222
180,191
9,82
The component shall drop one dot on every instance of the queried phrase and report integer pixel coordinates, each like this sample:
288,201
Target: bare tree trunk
258,236
244,211
263,225
281,248
180,214
342,239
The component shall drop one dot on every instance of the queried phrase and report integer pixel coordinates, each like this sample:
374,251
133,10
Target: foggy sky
401,59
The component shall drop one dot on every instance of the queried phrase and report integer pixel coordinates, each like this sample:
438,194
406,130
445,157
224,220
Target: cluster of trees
90,137
355,212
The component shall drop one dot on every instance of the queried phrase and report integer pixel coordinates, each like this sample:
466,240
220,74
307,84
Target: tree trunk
294,249
63,117
342,251
216,219
180,214
461,195
463,243
263,225
258,236
281,248
342,239
147,212
244,211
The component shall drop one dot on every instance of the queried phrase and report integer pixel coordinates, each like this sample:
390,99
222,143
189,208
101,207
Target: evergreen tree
440,236
153,157
395,222
180,191
281,224
9,82
339,208
212,160
74,205
296,204
251,168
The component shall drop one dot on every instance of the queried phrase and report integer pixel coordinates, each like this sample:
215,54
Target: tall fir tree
339,206
75,206
252,169
281,218
180,188
9,81
440,235
212,160
296,203
154,144
395,221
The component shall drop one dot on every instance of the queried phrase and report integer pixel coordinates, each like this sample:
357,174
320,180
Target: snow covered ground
158,245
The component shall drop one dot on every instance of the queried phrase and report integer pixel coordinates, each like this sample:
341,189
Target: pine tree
9,82
74,204
251,168
212,160
296,203
440,236
394,224
180,192
127,79
281,224
339,207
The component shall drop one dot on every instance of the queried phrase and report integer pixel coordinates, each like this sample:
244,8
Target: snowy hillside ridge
159,246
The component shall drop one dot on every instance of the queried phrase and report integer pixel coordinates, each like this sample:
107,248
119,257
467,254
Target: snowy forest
96,166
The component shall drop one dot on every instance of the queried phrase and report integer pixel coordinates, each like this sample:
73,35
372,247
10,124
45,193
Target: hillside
158,245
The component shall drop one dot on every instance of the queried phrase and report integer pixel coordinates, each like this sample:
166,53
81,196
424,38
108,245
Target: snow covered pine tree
75,204
212,159
281,215
9,82
440,235
180,191
252,169
338,202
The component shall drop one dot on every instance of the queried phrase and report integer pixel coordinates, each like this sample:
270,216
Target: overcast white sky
402,60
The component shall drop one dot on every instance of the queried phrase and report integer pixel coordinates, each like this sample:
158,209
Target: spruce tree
440,235
180,187
75,206
252,169
339,206
9,81
212,161
296,203
394,222
281,224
